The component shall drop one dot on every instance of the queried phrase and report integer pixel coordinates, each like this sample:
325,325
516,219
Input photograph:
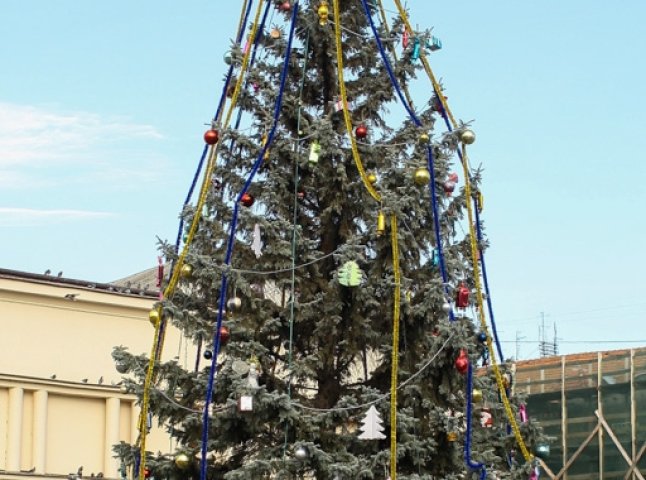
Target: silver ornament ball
234,304
301,453
121,367
446,307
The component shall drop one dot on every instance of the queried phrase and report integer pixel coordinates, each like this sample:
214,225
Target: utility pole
545,347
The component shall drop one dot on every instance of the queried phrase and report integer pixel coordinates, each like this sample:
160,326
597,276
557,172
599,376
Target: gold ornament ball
422,176
323,12
467,137
182,461
372,178
424,138
154,317
476,395
186,271
452,436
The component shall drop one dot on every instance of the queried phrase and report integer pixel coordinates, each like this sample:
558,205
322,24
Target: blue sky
103,105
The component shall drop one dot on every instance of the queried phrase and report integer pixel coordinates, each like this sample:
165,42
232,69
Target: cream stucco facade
60,403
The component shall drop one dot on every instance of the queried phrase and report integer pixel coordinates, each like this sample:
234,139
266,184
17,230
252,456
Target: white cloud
34,136
12,179
29,217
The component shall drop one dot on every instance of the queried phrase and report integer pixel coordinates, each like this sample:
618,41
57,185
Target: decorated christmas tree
330,271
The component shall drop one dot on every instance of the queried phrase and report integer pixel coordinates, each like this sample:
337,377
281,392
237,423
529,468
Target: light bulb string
300,406
297,151
211,385
386,395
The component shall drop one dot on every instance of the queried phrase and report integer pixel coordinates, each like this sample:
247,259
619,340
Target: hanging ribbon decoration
232,232
467,441
429,153
472,235
174,278
394,244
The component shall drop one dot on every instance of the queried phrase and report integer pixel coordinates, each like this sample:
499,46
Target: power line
577,312
576,341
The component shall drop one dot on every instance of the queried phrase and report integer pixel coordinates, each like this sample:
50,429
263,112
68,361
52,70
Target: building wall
585,400
54,425
67,330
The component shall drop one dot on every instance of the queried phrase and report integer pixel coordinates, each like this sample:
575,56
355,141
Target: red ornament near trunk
247,199
225,335
462,362
361,131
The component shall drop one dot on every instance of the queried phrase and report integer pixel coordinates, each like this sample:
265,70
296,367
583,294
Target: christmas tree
322,274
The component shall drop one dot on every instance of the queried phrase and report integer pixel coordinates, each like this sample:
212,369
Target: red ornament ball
247,199
211,137
449,187
462,362
361,131
285,7
301,195
462,296
147,472
225,335
437,104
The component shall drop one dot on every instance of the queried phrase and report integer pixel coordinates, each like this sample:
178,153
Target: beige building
61,406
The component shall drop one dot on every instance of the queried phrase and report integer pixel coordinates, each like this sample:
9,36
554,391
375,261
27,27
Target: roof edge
111,288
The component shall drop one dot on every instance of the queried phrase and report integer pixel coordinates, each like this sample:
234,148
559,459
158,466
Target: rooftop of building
142,284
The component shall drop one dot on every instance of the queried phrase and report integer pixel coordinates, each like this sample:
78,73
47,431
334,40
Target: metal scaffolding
594,407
